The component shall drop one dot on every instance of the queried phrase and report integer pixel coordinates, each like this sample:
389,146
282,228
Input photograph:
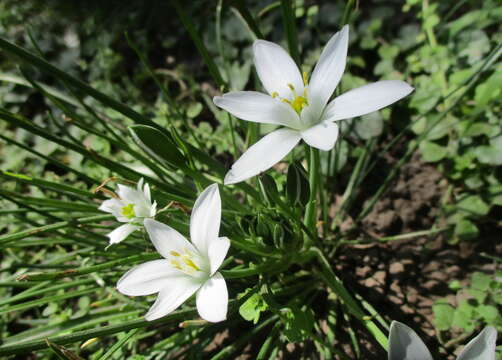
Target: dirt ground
402,279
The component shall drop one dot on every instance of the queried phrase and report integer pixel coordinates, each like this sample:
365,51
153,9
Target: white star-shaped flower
301,106
131,207
187,267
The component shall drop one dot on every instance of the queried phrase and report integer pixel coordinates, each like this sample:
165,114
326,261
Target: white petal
166,239
482,347
206,218
130,195
404,344
121,233
212,299
217,251
276,69
146,191
171,297
111,205
329,69
258,107
322,136
148,278
263,155
366,99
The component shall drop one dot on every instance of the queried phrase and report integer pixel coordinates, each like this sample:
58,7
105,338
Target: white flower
300,106
132,207
188,267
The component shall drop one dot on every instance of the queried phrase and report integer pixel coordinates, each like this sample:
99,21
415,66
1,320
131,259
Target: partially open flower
187,267
301,105
132,207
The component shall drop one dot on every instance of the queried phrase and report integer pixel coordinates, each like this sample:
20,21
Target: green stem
314,173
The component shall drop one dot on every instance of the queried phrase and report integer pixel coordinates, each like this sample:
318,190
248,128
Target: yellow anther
174,253
275,94
305,78
291,87
128,211
176,264
299,103
190,263
286,101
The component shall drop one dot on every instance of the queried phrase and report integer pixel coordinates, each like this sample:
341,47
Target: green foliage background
442,48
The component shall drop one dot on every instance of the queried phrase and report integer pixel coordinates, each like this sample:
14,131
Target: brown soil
402,279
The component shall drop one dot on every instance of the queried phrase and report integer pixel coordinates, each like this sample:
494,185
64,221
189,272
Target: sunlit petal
176,292
321,136
329,69
166,239
264,154
212,299
217,251
147,278
258,107
366,99
206,218
276,69
121,233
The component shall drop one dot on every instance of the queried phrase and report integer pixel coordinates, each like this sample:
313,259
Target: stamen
286,101
128,211
175,253
275,94
305,78
190,263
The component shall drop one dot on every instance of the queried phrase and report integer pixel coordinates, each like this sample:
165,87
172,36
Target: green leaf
268,188
473,205
298,323
157,145
443,315
481,281
297,185
62,352
466,230
251,309
463,316
432,152
489,313
488,155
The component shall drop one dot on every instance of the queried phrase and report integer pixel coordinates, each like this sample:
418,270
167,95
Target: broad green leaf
253,307
473,205
157,145
466,230
432,152
443,315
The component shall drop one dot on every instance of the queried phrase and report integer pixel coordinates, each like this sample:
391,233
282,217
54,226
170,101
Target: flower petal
258,107
130,195
147,278
217,251
322,136
276,69
166,239
366,99
482,347
404,344
329,69
264,154
206,218
212,299
121,233
178,291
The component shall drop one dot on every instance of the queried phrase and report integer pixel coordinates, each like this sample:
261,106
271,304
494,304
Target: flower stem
311,211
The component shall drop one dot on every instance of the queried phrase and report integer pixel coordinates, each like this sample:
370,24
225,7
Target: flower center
185,262
128,211
299,101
